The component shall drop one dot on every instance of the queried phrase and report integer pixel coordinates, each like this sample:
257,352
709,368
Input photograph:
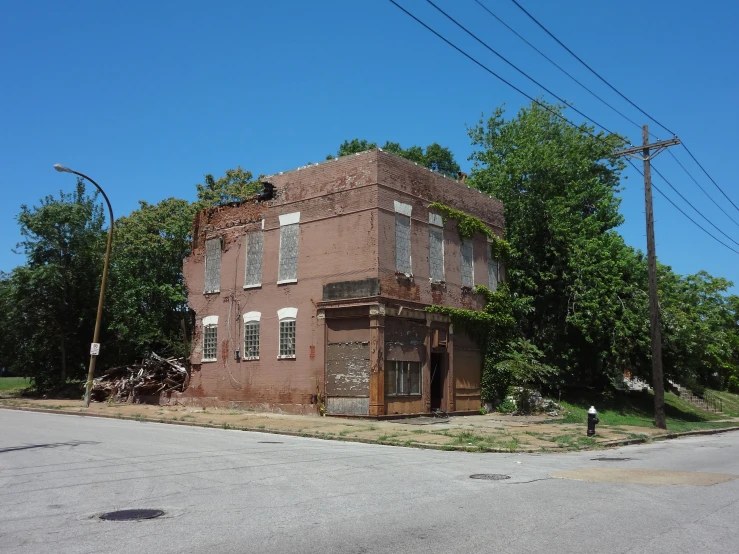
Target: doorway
438,374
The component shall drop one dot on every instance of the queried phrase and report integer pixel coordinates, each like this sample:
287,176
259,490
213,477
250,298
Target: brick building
316,291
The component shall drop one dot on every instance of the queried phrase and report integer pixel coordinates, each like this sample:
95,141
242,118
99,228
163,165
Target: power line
590,68
473,35
625,98
700,187
558,115
682,212
494,74
711,178
555,64
691,205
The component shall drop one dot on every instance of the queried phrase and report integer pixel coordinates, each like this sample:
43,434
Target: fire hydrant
592,420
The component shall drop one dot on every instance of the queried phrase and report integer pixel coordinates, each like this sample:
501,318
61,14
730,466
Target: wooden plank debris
141,382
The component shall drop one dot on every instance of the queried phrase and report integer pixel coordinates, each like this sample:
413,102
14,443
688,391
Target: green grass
573,441
730,402
11,385
637,409
468,437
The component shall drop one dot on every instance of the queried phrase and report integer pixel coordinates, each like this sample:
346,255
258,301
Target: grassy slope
731,402
637,409
13,384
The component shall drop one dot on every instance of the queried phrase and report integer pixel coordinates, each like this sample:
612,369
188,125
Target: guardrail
713,401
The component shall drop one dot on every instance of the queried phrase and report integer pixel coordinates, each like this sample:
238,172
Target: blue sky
147,98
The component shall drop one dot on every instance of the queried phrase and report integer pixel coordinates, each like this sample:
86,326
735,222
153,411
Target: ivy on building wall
468,225
492,328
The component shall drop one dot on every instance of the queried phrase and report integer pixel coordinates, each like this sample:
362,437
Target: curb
667,436
407,444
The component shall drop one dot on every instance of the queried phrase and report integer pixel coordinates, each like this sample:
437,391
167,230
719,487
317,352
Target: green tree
236,185
559,185
147,299
51,300
700,335
434,156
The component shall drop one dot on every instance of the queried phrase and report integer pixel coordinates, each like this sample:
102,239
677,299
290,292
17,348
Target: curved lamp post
95,347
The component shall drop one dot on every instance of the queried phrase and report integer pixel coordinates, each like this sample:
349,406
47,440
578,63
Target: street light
95,347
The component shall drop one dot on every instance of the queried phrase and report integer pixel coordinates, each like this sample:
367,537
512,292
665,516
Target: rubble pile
141,382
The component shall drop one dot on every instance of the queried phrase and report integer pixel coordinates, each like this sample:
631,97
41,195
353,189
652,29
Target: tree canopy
47,305
434,156
586,290
573,309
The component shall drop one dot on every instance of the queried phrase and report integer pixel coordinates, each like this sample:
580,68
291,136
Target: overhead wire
522,72
691,205
655,187
594,72
700,187
555,64
711,178
494,74
555,113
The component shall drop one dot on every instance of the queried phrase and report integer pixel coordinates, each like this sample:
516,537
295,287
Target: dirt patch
645,476
491,432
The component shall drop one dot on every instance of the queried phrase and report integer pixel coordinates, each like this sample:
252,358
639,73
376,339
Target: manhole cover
490,476
131,515
269,442
610,459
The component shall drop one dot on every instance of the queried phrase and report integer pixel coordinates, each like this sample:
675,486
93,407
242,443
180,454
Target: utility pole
646,152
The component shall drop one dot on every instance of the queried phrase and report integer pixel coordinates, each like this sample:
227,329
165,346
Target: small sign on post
94,349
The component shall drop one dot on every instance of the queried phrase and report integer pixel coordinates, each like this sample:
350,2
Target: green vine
468,225
492,328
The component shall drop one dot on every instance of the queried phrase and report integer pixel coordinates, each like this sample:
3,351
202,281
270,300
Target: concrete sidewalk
492,432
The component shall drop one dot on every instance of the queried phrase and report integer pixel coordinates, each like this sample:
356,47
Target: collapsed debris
141,382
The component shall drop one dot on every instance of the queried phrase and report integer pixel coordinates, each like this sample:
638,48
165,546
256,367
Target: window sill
208,360
207,292
286,357
466,289
259,286
403,276
287,281
250,358
402,396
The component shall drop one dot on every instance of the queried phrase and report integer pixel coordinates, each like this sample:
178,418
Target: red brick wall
338,241
418,187
347,232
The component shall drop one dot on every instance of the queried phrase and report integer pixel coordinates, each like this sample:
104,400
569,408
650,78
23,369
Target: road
226,491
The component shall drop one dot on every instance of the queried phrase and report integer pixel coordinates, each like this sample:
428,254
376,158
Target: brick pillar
426,370
449,382
320,343
377,360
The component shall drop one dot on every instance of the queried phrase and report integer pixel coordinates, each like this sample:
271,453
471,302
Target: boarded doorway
438,375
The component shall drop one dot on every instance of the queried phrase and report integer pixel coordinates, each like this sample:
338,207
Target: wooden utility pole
649,151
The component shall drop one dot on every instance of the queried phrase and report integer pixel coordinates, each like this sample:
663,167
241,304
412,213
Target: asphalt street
237,492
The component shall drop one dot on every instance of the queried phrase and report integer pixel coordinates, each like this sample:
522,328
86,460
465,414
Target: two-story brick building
316,291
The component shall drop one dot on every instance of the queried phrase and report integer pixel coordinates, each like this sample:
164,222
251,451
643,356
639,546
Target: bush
733,384
508,406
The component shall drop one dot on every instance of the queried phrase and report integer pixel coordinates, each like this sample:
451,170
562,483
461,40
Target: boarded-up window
254,248
403,243
436,252
402,378
213,265
493,268
289,238
210,339
468,279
